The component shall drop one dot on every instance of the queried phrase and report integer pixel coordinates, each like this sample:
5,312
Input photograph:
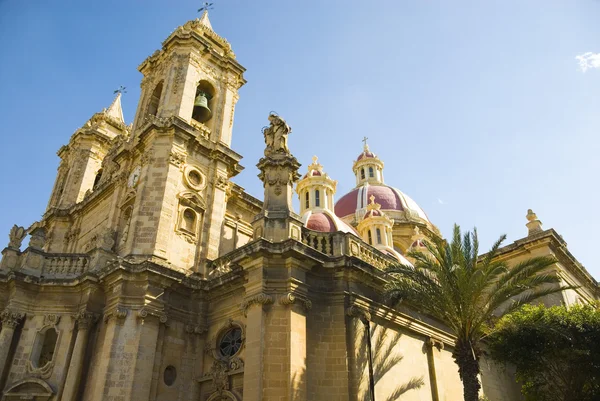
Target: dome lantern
367,167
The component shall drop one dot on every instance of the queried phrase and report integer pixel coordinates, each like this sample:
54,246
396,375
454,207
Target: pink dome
320,222
325,221
388,197
366,155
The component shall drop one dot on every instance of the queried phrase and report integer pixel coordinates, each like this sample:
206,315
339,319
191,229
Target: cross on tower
206,6
364,140
122,89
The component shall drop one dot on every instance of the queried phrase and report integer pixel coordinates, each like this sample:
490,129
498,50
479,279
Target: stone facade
151,276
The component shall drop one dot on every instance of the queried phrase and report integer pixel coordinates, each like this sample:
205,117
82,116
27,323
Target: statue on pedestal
276,135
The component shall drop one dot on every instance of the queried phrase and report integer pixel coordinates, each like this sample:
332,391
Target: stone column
10,320
84,322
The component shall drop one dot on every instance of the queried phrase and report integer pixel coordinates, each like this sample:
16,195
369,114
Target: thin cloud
441,202
588,60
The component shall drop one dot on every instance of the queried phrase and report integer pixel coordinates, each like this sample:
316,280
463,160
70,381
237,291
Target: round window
195,178
170,375
231,342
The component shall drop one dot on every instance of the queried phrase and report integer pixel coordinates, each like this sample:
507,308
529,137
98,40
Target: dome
388,197
325,221
366,154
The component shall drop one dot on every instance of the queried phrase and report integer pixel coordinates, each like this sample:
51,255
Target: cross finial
205,7
122,89
314,159
364,140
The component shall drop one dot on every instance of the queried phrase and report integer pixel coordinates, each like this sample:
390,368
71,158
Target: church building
152,276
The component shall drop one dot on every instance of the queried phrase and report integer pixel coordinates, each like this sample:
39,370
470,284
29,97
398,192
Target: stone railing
338,244
36,262
65,264
322,242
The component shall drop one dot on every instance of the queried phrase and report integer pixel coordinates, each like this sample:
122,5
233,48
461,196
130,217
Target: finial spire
115,110
534,225
365,145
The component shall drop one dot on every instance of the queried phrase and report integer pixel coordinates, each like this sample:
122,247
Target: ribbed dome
388,197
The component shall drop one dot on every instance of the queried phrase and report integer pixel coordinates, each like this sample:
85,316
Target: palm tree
452,283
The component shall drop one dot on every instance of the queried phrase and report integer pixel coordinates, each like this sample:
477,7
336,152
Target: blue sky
479,109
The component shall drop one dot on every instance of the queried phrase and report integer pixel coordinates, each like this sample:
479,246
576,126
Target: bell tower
180,149
194,77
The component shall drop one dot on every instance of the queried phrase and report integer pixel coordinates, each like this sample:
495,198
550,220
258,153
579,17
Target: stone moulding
290,299
259,299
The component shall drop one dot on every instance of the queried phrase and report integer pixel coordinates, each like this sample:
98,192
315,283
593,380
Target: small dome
388,197
325,221
366,154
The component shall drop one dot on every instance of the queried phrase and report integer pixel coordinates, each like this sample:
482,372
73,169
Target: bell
201,111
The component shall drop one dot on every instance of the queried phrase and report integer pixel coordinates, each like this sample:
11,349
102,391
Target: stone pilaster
84,322
10,320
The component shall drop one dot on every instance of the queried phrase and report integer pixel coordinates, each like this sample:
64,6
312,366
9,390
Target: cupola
376,229
315,192
367,167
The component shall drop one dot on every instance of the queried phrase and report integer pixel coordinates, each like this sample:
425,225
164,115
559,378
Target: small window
371,173
306,201
370,237
317,198
97,179
170,375
362,173
155,99
43,350
189,220
378,236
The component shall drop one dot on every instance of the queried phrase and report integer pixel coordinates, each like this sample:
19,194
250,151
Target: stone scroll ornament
276,135
16,236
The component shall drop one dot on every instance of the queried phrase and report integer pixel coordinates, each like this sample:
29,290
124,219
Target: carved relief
146,311
260,299
16,236
119,313
85,320
11,318
358,312
290,299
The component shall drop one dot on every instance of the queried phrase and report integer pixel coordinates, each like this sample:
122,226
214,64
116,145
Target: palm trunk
466,356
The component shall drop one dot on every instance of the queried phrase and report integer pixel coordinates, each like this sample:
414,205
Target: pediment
192,199
29,389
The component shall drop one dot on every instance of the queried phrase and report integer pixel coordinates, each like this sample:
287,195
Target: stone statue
276,135
16,236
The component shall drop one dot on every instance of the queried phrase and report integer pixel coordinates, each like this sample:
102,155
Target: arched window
362,173
370,237
371,173
97,179
378,231
306,200
189,220
155,99
317,198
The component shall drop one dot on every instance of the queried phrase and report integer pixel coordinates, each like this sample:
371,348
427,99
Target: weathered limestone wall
498,382
327,358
